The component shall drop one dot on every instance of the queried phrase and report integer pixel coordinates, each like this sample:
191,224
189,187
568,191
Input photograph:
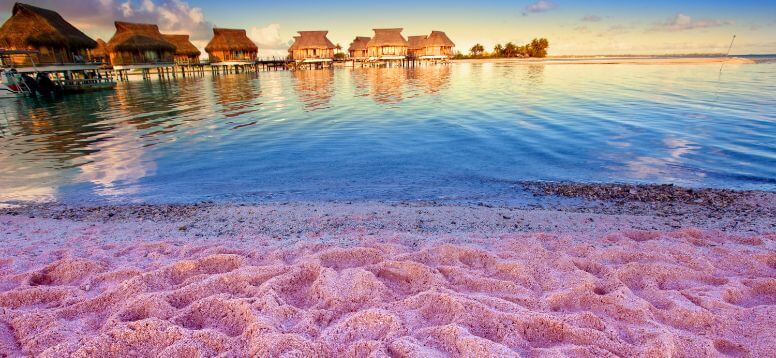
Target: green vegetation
536,48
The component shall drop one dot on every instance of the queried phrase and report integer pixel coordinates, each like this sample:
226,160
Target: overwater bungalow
100,53
140,47
387,44
358,48
185,51
37,40
416,45
231,47
43,41
312,46
437,46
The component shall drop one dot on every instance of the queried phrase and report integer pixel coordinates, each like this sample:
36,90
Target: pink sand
628,293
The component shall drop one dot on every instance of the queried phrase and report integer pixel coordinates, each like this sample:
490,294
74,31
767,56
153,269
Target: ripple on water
394,133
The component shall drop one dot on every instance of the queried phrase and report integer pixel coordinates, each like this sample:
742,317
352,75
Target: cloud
582,29
615,30
591,18
539,6
682,22
269,41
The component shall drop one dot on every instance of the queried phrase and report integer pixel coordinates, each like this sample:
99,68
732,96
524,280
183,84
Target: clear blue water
460,131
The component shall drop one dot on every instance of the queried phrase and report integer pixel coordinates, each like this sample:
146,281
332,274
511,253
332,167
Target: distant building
438,45
100,53
47,41
231,47
387,44
358,48
434,46
185,51
311,45
416,45
139,46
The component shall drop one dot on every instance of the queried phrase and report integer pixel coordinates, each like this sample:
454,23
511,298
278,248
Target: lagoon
457,132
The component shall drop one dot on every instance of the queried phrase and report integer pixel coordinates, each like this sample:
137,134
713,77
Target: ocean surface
464,131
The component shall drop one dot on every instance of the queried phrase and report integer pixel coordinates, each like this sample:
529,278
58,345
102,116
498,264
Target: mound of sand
633,293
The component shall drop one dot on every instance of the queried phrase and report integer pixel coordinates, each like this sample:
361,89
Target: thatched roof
31,26
359,43
101,50
138,37
416,42
439,38
230,40
183,47
294,45
387,37
313,40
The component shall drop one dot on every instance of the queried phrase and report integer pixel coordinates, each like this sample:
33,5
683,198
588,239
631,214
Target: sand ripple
686,293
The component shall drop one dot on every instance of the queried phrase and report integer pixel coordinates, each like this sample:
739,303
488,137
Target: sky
593,27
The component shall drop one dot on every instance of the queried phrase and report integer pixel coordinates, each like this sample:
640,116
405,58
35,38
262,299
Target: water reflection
115,165
396,133
238,95
667,166
429,79
314,88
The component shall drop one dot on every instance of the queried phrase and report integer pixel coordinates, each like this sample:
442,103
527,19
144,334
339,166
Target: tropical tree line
535,48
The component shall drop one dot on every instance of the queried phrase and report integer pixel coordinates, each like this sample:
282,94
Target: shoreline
625,270
594,60
665,207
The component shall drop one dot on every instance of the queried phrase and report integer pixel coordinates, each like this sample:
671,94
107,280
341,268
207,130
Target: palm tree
498,50
477,50
510,50
338,47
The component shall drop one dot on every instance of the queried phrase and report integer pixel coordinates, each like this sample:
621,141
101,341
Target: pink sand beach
372,280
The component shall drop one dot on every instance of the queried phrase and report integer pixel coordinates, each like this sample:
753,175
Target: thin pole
727,55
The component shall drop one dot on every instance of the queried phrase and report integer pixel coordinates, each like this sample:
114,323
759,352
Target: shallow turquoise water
456,132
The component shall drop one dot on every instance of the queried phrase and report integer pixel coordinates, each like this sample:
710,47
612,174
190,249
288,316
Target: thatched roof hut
439,39
387,37
231,45
312,45
137,44
436,45
34,28
138,37
30,27
387,42
416,44
183,46
101,51
358,47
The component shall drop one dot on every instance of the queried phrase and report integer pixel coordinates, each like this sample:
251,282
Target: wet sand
614,60
627,271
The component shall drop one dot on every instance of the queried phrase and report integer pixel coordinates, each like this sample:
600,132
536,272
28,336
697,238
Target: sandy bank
628,271
353,293
613,61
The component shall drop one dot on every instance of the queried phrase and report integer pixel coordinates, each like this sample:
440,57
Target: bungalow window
151,56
